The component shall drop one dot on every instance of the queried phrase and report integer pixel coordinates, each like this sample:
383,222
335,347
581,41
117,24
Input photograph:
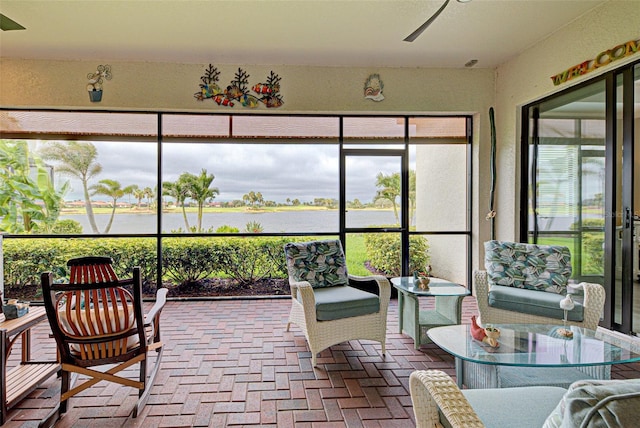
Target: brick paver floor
231,363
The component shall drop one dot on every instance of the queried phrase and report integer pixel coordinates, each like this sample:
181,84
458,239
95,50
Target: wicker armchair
585,403
593,303
318,279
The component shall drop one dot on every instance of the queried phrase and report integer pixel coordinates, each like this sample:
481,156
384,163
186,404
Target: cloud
278,171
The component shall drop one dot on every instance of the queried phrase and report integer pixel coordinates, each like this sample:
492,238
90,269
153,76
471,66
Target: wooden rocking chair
97,321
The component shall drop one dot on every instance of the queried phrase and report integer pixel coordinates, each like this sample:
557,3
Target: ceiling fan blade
8,24
411,37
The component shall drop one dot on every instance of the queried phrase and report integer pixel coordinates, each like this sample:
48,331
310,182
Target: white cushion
126,320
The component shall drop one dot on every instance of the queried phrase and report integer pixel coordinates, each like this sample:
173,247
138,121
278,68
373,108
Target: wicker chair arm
594,296
481,291
432,390
384,287
295,287
308,300
384,290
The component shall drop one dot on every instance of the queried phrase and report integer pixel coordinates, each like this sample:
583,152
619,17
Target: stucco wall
526,78
170,87
166,86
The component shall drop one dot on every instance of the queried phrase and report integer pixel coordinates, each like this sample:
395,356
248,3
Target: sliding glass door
579,187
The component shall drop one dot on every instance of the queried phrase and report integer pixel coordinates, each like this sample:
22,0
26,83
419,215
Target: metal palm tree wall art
267,93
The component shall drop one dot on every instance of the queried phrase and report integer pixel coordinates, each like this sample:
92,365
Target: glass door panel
635,288
621,206
591,257
372,191
568,180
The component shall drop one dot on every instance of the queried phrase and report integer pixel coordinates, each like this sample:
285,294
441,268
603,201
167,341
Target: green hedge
243,259
383,250
184,260
26,259
187,260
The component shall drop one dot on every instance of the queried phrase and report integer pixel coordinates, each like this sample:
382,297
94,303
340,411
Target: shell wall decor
238,92
373,87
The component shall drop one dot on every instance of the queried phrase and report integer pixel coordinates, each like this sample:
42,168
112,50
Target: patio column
441,205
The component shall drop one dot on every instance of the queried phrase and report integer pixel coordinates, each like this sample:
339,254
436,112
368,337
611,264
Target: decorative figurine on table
487,335
12,309
566,305
421,279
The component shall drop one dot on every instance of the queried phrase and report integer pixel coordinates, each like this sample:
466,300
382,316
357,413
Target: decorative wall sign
373,87
94,87
268,93
603,58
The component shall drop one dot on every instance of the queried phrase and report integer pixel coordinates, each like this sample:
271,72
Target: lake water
272,222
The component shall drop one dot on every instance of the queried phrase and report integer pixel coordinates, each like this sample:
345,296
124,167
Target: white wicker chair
434,389
435,396
321,335
594,296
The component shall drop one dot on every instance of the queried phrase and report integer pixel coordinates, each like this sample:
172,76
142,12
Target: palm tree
250,198
179,190
139,195
148,193
112,189
77,159
412,194
130,191
390,190
200,192
28,202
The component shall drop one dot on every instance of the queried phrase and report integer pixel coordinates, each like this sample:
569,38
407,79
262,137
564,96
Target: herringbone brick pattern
231,363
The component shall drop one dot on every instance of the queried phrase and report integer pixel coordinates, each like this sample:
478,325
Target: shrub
592,246
227,229
67,227
189,260
383,251
26,259
249,259
254,227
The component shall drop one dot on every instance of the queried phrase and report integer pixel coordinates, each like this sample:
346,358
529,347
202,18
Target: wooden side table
18,382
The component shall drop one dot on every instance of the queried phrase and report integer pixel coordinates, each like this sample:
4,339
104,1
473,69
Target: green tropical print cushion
520,265
321,263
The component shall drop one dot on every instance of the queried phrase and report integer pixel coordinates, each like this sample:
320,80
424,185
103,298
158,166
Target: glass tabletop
437,287
531,345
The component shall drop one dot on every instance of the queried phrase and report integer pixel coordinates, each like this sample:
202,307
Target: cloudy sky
279,171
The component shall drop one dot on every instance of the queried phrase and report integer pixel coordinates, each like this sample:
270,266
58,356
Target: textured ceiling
311,32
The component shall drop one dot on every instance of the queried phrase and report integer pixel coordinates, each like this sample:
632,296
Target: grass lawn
356,255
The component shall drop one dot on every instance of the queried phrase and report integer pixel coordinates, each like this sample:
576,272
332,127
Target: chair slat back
91,270
96,318
99,322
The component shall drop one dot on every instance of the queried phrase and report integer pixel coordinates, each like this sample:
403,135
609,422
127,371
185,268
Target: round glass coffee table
534,354
416,322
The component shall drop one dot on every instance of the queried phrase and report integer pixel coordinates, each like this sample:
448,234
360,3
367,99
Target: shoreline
193,210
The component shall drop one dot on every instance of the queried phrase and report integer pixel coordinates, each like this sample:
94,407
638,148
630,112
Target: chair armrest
161,299
306,298
384,287
481,291
594,296
432,390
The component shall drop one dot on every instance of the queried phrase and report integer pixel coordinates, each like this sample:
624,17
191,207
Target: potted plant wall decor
94,87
